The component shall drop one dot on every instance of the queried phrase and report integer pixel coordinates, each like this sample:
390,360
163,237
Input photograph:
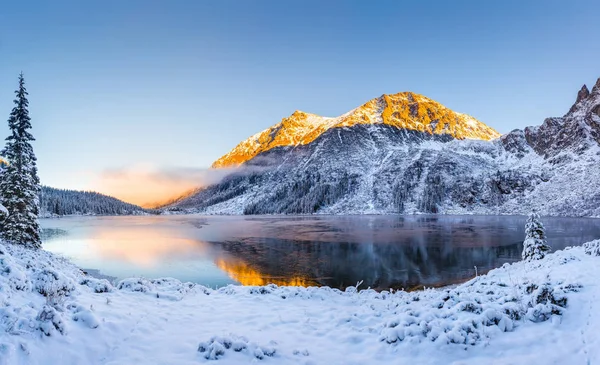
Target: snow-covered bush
217,346
98,285
135,284
38,292
50,320
83,315
268,289
592,248
17,319
472,311
546,301
53,285
165,288
534,246
15,275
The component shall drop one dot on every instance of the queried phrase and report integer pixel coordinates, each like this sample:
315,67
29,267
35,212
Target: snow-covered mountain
405,110
405,153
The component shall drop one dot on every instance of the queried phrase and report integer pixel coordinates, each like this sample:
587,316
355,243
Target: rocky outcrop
576,131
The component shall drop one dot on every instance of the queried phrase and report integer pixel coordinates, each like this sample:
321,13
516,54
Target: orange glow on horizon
145,192
149,187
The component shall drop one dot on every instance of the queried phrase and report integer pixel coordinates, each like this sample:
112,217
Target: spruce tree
534,246
19,182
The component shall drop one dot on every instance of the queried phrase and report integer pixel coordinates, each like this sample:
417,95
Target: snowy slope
543,312
381,168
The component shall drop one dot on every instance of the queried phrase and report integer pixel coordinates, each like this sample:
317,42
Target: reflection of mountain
383,251
282,262
246,275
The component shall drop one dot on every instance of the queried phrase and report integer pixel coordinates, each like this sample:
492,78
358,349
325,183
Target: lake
338,251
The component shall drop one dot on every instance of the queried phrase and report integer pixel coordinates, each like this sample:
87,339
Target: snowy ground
545,312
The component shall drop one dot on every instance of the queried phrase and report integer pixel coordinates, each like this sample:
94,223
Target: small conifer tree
535,246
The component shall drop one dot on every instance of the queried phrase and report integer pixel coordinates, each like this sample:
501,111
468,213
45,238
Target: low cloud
149,187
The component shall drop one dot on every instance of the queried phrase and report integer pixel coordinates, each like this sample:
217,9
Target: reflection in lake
344,264
143,247
244,274
136,246
383,251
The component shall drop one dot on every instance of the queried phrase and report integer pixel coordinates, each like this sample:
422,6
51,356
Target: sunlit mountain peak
405,110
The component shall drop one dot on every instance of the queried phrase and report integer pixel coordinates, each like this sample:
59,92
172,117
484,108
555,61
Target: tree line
58,202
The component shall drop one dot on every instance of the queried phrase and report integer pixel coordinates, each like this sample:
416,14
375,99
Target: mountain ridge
405,110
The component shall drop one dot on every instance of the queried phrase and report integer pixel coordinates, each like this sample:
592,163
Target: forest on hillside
58,202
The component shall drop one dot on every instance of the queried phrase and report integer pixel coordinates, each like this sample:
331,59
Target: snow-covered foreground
542,312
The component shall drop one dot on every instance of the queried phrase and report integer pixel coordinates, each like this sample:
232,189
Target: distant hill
57,202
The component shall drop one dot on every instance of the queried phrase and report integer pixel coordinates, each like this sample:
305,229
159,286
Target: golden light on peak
405,110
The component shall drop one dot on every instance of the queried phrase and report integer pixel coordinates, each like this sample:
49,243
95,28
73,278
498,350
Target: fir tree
534,246
19,183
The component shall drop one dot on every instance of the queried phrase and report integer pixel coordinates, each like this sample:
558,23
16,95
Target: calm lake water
337,251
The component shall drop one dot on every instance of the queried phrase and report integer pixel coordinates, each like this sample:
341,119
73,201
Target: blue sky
165,84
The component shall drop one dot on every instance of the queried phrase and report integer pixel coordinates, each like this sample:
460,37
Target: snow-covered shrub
166,282
84,315
53,285
212,350
14,274
98,285
546,301
227,290
534,246
468,313
164,288
261,289
172,285
592,248
135,284
301,352
217,346
50,320
17,319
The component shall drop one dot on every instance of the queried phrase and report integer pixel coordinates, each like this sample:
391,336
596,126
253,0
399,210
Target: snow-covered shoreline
539,312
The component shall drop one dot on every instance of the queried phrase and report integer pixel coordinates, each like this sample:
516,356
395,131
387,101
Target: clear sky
149,86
